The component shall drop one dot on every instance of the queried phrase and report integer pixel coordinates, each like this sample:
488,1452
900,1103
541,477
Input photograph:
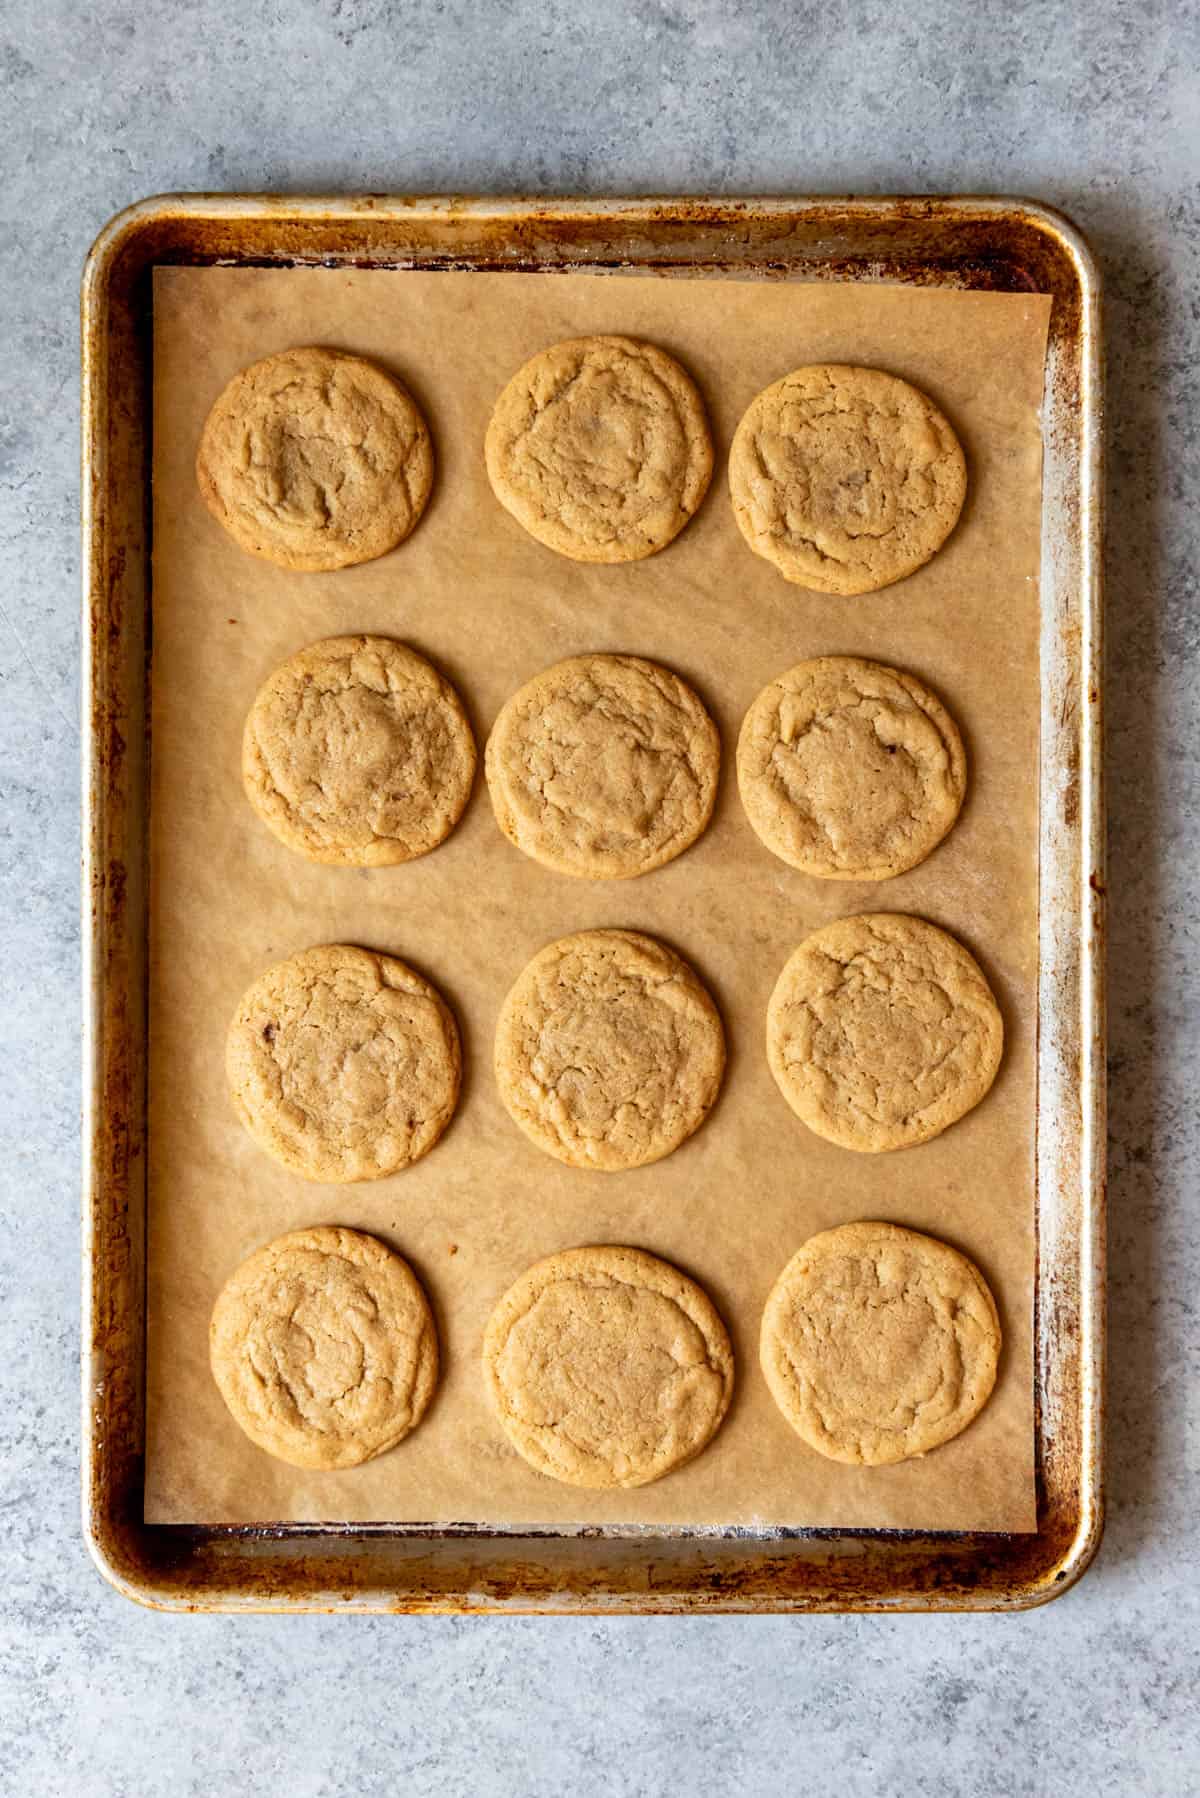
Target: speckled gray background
1095,107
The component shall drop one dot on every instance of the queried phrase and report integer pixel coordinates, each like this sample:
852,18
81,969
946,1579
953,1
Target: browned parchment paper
491,607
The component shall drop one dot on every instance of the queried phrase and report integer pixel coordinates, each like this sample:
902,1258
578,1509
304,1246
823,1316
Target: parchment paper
491,607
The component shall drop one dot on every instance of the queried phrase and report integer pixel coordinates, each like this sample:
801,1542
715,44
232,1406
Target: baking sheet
491,607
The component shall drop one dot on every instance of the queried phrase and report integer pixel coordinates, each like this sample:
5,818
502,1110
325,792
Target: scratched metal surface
961,242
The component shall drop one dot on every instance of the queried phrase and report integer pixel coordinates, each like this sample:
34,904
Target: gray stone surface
1091,106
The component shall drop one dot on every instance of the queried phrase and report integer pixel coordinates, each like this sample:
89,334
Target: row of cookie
605,1366
609,1051
844,478
357,751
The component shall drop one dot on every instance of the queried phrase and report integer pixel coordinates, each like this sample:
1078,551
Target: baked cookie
324,1348
343,1064
607,1367
315,460
879,1344
600,448
850,770
847,479
609,1051
882,1032
603,767
357,752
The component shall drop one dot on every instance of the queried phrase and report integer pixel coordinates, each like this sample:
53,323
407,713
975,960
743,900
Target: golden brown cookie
609,1051
879,1344
607,1367
315,460
343,1064
357,752
600,448
603,767
882,1032
324,1348
847,479
850,770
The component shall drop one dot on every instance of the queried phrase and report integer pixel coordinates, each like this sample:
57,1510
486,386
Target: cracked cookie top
343,1064
357,752
600,447
607,1367
609,1051
846,478
323,1347
879,1343
603,767
882,1032
315,460
850,770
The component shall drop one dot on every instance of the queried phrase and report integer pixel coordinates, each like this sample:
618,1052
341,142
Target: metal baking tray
982,243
